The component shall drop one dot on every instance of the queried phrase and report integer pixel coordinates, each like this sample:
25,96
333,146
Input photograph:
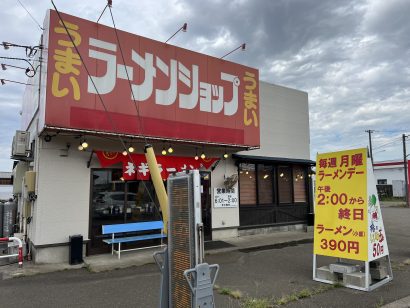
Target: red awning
136,167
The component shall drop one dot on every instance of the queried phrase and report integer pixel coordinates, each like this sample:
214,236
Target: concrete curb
13,271
401,303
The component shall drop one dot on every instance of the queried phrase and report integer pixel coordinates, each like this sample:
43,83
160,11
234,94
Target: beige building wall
284,120
63,192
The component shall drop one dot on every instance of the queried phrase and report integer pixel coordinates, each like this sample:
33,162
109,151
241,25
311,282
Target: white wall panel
63,188
284,120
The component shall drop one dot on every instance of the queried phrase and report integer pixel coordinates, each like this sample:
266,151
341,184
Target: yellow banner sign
341,216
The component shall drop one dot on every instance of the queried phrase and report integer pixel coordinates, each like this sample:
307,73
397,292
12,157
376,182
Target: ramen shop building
191,107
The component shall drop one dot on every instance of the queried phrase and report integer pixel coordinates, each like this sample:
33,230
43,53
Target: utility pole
406,180
370,143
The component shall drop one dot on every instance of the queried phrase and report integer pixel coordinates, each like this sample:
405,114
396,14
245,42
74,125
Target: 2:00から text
338,199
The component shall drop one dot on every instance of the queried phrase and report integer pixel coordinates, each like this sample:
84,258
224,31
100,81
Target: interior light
84,144
47,138
164,152
203,155
247,172
226,155
196,157
124,153
80,147
281,175
121,179
170,149
131,149
265,176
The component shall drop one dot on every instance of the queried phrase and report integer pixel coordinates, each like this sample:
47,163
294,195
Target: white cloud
352,57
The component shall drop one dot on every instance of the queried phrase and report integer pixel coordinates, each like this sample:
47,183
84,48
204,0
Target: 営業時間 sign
224,197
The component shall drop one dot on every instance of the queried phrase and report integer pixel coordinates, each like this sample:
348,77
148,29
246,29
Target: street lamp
183,29
30,71
3,82
242,47
30,50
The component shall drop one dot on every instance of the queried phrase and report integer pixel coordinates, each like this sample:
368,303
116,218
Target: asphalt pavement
268,274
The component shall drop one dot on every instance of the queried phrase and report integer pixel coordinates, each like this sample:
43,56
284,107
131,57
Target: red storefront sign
180,94
136,167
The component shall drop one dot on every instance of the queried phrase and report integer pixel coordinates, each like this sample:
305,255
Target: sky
352,57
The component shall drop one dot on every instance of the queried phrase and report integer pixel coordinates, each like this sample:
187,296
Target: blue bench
117,234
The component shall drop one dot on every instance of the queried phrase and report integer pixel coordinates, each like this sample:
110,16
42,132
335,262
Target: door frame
207,237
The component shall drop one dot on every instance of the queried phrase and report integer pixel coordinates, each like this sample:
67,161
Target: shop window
108,205
285,184
299,184
265,184
116,176
247,184
382,182
132,198
119,197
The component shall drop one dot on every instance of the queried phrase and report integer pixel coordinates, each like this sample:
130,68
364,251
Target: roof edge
274,159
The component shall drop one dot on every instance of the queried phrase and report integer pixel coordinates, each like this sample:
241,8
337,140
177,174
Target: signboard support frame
369,287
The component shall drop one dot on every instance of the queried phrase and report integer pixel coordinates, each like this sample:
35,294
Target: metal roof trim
274,159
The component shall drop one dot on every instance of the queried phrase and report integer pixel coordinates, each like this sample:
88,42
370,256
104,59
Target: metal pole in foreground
406,179
158,184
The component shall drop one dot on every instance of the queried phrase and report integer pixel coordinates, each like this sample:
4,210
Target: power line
346,147
38,24
394,131
395,140
112,123
88,73
128,77
356,145
136,105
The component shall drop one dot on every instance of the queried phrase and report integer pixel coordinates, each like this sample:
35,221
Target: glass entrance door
114,201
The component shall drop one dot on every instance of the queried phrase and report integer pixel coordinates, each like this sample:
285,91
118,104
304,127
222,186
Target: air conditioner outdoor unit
20,143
